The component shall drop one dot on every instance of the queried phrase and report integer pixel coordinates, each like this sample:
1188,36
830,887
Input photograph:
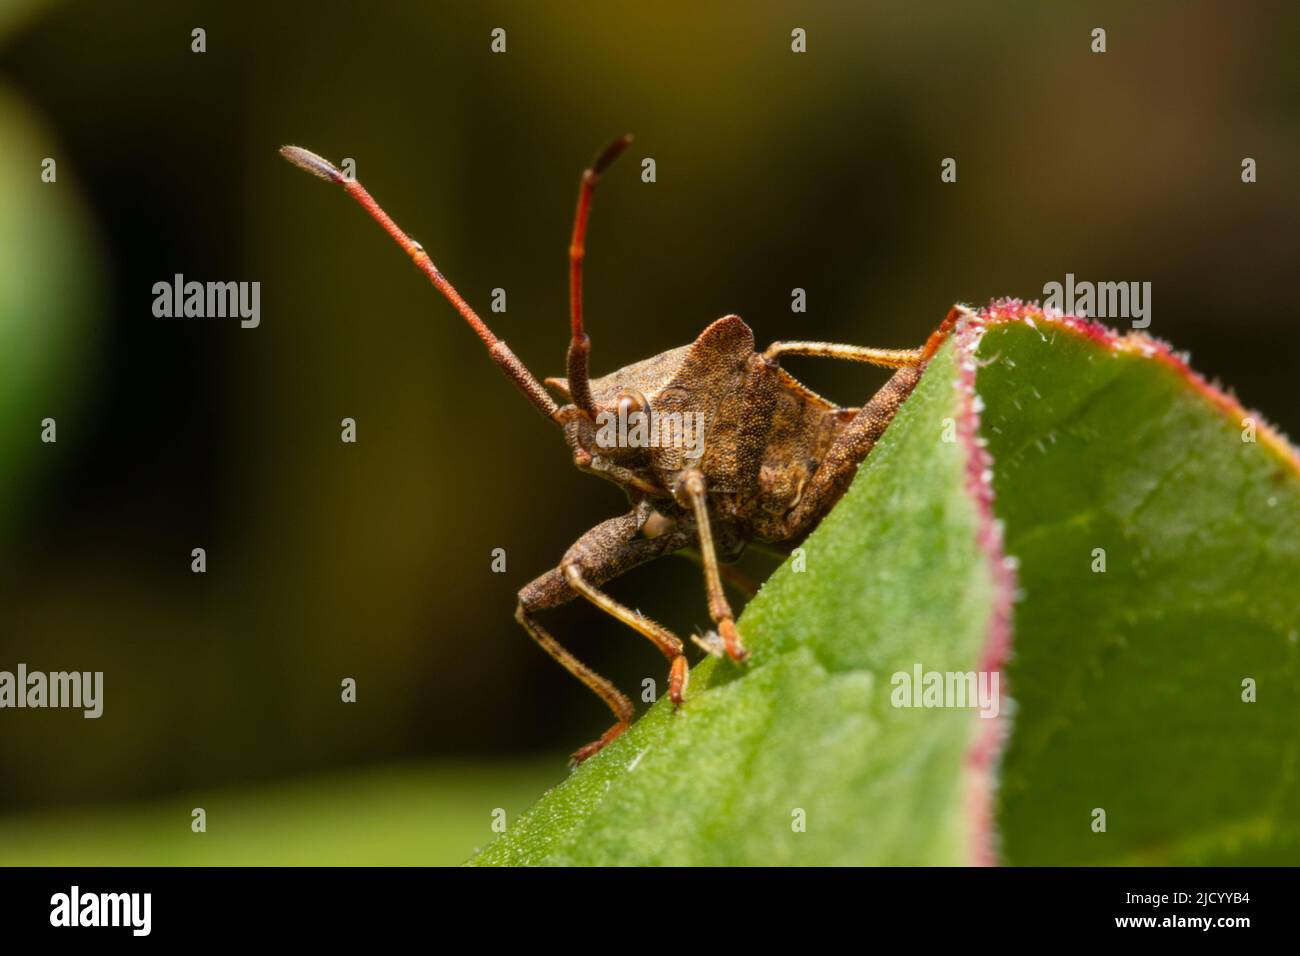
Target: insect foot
711,642
678,675
727,643
731,640
582,753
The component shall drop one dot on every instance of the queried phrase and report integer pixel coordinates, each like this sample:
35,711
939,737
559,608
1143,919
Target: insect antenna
515,370
579,345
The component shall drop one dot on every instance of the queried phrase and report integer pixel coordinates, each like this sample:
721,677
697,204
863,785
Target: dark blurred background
775,170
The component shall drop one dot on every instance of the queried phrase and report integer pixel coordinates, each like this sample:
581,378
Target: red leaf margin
966,327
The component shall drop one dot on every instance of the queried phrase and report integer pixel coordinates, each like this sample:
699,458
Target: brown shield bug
715,444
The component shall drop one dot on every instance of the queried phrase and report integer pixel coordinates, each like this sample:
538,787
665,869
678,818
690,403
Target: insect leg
851,447
691,487
888,358
606,551
615,699
837,469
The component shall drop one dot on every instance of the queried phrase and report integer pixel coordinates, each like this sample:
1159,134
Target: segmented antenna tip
316,165
611,153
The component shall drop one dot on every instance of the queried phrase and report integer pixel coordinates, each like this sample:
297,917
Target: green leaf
1129,682
1126,684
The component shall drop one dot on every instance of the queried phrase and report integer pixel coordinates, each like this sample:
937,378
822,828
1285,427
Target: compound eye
629,401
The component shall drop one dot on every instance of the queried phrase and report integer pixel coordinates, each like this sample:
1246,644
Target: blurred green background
372,561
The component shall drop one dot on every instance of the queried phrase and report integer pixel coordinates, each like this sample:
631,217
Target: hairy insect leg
615,699
691,490
837,469
668,643
887,358
606,551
